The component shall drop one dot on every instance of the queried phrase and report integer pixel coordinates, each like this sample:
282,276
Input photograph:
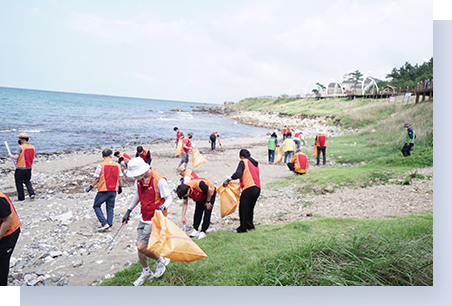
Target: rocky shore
59,246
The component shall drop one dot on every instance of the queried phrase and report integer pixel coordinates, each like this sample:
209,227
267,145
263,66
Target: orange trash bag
197,159
279,155
229,198
178,148
314,152
169,241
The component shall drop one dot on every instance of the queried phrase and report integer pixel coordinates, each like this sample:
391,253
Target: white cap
136,167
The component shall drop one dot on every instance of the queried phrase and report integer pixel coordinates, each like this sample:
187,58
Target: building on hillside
350,86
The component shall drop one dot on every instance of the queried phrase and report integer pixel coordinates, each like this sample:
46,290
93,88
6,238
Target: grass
322,252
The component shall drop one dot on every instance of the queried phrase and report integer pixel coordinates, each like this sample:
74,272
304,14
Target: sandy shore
59,246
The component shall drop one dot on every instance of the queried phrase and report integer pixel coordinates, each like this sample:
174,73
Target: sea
61,121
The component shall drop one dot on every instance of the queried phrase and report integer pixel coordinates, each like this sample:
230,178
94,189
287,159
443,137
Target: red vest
125,156
186,142
109,176
178,135
15,224
321,140
189,173
196,193
26,157
301,162
149,195
144,154
250,176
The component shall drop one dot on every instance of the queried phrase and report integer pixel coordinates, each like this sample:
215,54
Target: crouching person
299,163
153,192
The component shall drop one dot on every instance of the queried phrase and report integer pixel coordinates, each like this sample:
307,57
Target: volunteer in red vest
153,192
179,134
285,131
299,163
123,158
248,173
298,138
213,139
186,146
9,234
186,174
320,142
108,180
24,161
203,193
145,154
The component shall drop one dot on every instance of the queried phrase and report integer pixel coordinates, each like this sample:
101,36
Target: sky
207,51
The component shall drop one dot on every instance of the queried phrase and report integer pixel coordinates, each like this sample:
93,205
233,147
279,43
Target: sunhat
136,167
23,135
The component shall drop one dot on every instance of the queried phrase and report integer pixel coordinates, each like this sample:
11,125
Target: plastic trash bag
314,151
279,155
178,148
229,198
197,159
170,241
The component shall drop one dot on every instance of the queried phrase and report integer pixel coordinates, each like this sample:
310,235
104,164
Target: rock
78,263
329,189
64,217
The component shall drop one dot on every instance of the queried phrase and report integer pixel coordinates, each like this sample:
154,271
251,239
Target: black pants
248,200
323,151
201,209
213,140
23,176
7,245
406,150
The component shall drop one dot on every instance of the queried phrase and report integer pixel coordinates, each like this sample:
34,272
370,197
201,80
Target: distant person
123,158
213,139
108,180
145,154
288,147
179,134
248,173
272,144
186,146
203,193
285,131
153,192
320,143
186,174
298,137
24,157
299,163
409,140
9,234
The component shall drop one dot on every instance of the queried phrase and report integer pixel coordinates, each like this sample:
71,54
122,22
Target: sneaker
160,266
32,196
201,235
194,233
103,228
143,277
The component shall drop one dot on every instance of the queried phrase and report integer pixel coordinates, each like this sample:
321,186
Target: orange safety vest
300,162
321,140
15,224
109,176
189,173
26,156
125,156
144,154
196,193
149,195
250,176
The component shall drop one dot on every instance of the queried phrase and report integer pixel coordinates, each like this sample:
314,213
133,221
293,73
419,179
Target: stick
9,152
115,238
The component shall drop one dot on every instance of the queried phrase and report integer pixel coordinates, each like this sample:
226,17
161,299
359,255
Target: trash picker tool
115,238
9,151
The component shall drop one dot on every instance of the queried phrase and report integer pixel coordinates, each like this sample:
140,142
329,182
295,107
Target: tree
321,87
356,75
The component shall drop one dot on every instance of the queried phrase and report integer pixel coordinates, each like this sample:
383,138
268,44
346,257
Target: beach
59,245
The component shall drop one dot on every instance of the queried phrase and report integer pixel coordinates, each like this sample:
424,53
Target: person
145,154
108,180
203,193
272,144
288,147
186,174
213,139
24,157
248,173
285,131
186,146
123,158
9,234
153,193
298,137
409,140
320,143
179,134
299,163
